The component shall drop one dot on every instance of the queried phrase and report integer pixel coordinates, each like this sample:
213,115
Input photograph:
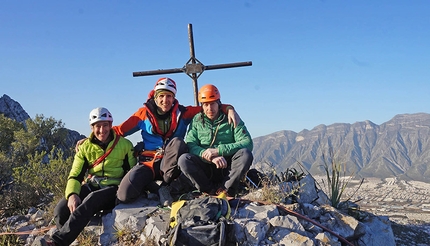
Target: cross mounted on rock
193,67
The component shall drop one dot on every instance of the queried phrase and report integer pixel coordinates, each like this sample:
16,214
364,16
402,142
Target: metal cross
193,67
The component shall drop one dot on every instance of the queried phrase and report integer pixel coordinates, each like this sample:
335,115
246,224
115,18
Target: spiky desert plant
291,174
337,179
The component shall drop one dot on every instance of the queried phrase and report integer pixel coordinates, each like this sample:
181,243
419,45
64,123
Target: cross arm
228,65
192,68
159,71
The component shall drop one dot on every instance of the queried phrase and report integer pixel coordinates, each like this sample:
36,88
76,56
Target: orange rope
28,232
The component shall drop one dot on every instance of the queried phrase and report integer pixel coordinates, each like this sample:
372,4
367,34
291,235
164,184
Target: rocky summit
12,109
307,218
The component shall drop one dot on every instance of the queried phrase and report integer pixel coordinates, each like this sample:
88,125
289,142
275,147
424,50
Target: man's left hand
233,117
209,154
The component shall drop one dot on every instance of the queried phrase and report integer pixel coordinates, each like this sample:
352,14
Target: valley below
406,203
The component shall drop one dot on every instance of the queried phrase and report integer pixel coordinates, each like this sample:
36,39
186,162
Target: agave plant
337,179
291,174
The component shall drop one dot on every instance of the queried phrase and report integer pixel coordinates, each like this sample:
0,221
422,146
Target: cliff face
12,109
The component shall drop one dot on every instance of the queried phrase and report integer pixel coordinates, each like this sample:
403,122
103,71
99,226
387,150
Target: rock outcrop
310,220
12,109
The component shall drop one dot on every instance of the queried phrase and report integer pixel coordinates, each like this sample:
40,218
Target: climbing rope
35,231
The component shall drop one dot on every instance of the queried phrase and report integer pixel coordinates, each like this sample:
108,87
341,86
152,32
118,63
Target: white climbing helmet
100,114
166,84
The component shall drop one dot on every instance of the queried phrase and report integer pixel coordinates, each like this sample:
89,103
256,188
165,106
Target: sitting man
219,154
106,157
163,123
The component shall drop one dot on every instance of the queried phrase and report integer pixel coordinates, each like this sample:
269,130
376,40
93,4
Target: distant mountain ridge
399,147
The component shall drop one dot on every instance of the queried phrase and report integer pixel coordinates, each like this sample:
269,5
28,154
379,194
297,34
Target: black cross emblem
193,67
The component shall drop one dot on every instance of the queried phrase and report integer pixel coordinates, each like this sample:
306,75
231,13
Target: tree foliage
34,163
48,131
7,129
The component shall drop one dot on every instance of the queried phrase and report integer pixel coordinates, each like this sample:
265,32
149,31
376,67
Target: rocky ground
406,203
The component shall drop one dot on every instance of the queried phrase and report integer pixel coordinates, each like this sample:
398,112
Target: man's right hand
79,143
73,202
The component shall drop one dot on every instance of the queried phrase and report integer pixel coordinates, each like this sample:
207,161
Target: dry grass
10,240
281,188
128,237
87,238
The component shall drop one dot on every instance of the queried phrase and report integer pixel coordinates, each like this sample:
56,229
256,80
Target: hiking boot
190,195
41,241
181,185
165,198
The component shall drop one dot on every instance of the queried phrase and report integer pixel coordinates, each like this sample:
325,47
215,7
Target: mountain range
399,147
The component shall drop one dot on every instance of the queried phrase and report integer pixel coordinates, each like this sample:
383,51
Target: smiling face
211,109
164,100
101,130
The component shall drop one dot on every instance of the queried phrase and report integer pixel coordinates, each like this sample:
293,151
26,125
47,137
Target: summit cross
193,67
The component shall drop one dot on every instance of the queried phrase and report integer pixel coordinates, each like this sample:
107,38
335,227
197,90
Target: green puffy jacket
226,139
111,169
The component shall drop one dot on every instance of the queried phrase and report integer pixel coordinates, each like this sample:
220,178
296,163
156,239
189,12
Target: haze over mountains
399,147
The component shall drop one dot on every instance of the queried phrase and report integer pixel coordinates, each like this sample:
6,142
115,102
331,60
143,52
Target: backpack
200,221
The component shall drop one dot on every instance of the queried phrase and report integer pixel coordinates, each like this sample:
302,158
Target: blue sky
314,62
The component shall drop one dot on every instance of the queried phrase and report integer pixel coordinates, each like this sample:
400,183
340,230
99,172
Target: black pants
141,178
206,177
169,163
71,224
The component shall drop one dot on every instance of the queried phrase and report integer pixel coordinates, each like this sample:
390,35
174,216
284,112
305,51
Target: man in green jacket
105,157
219,154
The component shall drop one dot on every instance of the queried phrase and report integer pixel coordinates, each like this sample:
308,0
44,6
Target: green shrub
32,169
35,183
